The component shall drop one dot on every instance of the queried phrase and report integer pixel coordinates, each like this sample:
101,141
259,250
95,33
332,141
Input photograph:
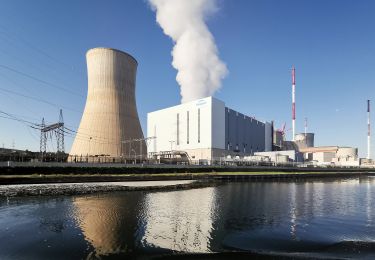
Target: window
199,125
178,129
187,127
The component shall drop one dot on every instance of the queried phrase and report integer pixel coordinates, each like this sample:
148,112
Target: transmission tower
58,129
60,134
43,141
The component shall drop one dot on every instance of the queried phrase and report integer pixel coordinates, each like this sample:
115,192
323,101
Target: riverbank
54,189
8,179
54,184
24,168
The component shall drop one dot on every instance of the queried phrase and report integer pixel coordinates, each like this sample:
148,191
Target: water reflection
109,222
180,221
39,228
305,216
296,216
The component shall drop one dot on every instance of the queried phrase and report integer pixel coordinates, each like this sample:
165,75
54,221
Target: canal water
316,218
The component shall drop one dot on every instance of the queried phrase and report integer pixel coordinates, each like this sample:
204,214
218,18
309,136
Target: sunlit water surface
315,218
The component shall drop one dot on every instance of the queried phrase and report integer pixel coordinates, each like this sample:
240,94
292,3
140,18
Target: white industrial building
206,130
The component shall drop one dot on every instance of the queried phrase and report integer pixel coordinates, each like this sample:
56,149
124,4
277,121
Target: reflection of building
207,129
180,220
110,119
243,215
109,222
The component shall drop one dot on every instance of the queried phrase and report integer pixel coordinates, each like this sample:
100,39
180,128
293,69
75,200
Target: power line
13,34
37,99
67,131
24,106
39,80
12,117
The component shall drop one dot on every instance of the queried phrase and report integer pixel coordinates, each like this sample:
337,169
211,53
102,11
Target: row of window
188,127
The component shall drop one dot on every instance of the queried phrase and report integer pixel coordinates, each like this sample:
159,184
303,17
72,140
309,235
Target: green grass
157,174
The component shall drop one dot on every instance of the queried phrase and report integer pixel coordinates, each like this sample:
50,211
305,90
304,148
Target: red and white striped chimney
293,103
368,131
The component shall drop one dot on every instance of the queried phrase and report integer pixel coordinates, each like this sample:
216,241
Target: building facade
207,130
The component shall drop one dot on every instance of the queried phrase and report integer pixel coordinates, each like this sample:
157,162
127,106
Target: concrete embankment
52,189
80,184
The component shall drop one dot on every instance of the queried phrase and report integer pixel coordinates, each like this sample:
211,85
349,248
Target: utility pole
293,103
60,136
368,131
43,140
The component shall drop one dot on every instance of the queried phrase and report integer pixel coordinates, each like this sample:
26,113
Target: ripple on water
305,217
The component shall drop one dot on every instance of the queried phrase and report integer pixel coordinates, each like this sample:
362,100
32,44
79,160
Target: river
316,218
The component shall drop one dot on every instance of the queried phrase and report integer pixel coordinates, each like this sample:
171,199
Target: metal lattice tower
58,129
43,140
60,134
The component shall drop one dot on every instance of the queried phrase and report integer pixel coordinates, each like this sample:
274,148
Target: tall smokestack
293,103
368,131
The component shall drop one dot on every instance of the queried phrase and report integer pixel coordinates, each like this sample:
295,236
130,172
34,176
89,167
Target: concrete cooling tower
109,128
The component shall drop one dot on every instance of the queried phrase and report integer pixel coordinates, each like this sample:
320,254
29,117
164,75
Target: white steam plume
195,55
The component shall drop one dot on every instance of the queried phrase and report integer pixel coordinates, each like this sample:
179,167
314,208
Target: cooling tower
110,120
304,140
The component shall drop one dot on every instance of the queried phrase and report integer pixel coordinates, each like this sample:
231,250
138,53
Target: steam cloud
195,55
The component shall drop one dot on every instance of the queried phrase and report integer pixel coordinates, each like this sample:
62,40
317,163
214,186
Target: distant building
206,129
335,155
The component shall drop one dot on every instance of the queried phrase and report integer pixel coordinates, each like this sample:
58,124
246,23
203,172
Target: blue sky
331,43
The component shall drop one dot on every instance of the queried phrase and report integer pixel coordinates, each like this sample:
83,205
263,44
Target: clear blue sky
331,43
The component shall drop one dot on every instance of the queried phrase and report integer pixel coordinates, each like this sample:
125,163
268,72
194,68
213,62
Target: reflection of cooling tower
110,119
109,222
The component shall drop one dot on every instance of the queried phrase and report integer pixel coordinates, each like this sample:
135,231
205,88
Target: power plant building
110,123
206,130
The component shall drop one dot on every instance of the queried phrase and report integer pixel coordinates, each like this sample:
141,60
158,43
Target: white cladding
193,125
202,128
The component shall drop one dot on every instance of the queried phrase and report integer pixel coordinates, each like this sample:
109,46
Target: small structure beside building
282,156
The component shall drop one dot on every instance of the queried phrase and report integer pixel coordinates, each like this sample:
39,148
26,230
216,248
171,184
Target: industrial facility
302,150
203,131
110,126
206,130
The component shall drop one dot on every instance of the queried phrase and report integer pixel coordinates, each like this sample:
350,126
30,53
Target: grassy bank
68,169
257,173
228,175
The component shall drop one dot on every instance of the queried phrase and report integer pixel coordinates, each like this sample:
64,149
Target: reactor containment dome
110,125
